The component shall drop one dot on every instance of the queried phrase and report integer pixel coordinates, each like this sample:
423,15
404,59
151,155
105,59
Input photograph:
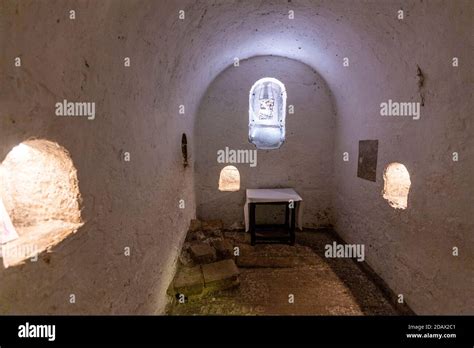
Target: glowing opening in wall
396,185
39,200
229,179
267,112
20,152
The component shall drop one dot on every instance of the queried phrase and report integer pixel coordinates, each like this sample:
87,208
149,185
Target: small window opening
229,179
396,185
40,200
267,112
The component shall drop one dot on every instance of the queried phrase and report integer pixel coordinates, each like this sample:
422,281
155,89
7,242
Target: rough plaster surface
39,183
173,62
125,204
305,160
41,196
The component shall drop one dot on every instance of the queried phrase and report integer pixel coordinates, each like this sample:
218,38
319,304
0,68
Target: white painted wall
132,204
304,162
412,249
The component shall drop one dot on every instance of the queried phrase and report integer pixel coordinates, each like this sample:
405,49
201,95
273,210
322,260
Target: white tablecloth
273,195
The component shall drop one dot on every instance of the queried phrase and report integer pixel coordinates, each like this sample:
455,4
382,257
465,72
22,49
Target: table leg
287,216
293,223
252,223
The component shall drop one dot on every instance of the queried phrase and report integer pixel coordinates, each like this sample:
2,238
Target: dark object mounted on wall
184,150
367,162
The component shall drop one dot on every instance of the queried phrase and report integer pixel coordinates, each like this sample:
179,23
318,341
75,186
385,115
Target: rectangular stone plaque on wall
367,163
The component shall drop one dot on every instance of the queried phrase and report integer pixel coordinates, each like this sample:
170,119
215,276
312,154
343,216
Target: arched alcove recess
40,192
222,125
396,185
229,179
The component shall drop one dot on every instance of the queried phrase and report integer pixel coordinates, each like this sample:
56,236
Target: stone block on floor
202,253
220,275
224,249
189,281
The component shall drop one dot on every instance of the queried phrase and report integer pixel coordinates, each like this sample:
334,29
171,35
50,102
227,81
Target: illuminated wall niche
267,112
39,191
396,185
229,179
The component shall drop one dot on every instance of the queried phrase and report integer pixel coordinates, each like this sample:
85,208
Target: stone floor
272,275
